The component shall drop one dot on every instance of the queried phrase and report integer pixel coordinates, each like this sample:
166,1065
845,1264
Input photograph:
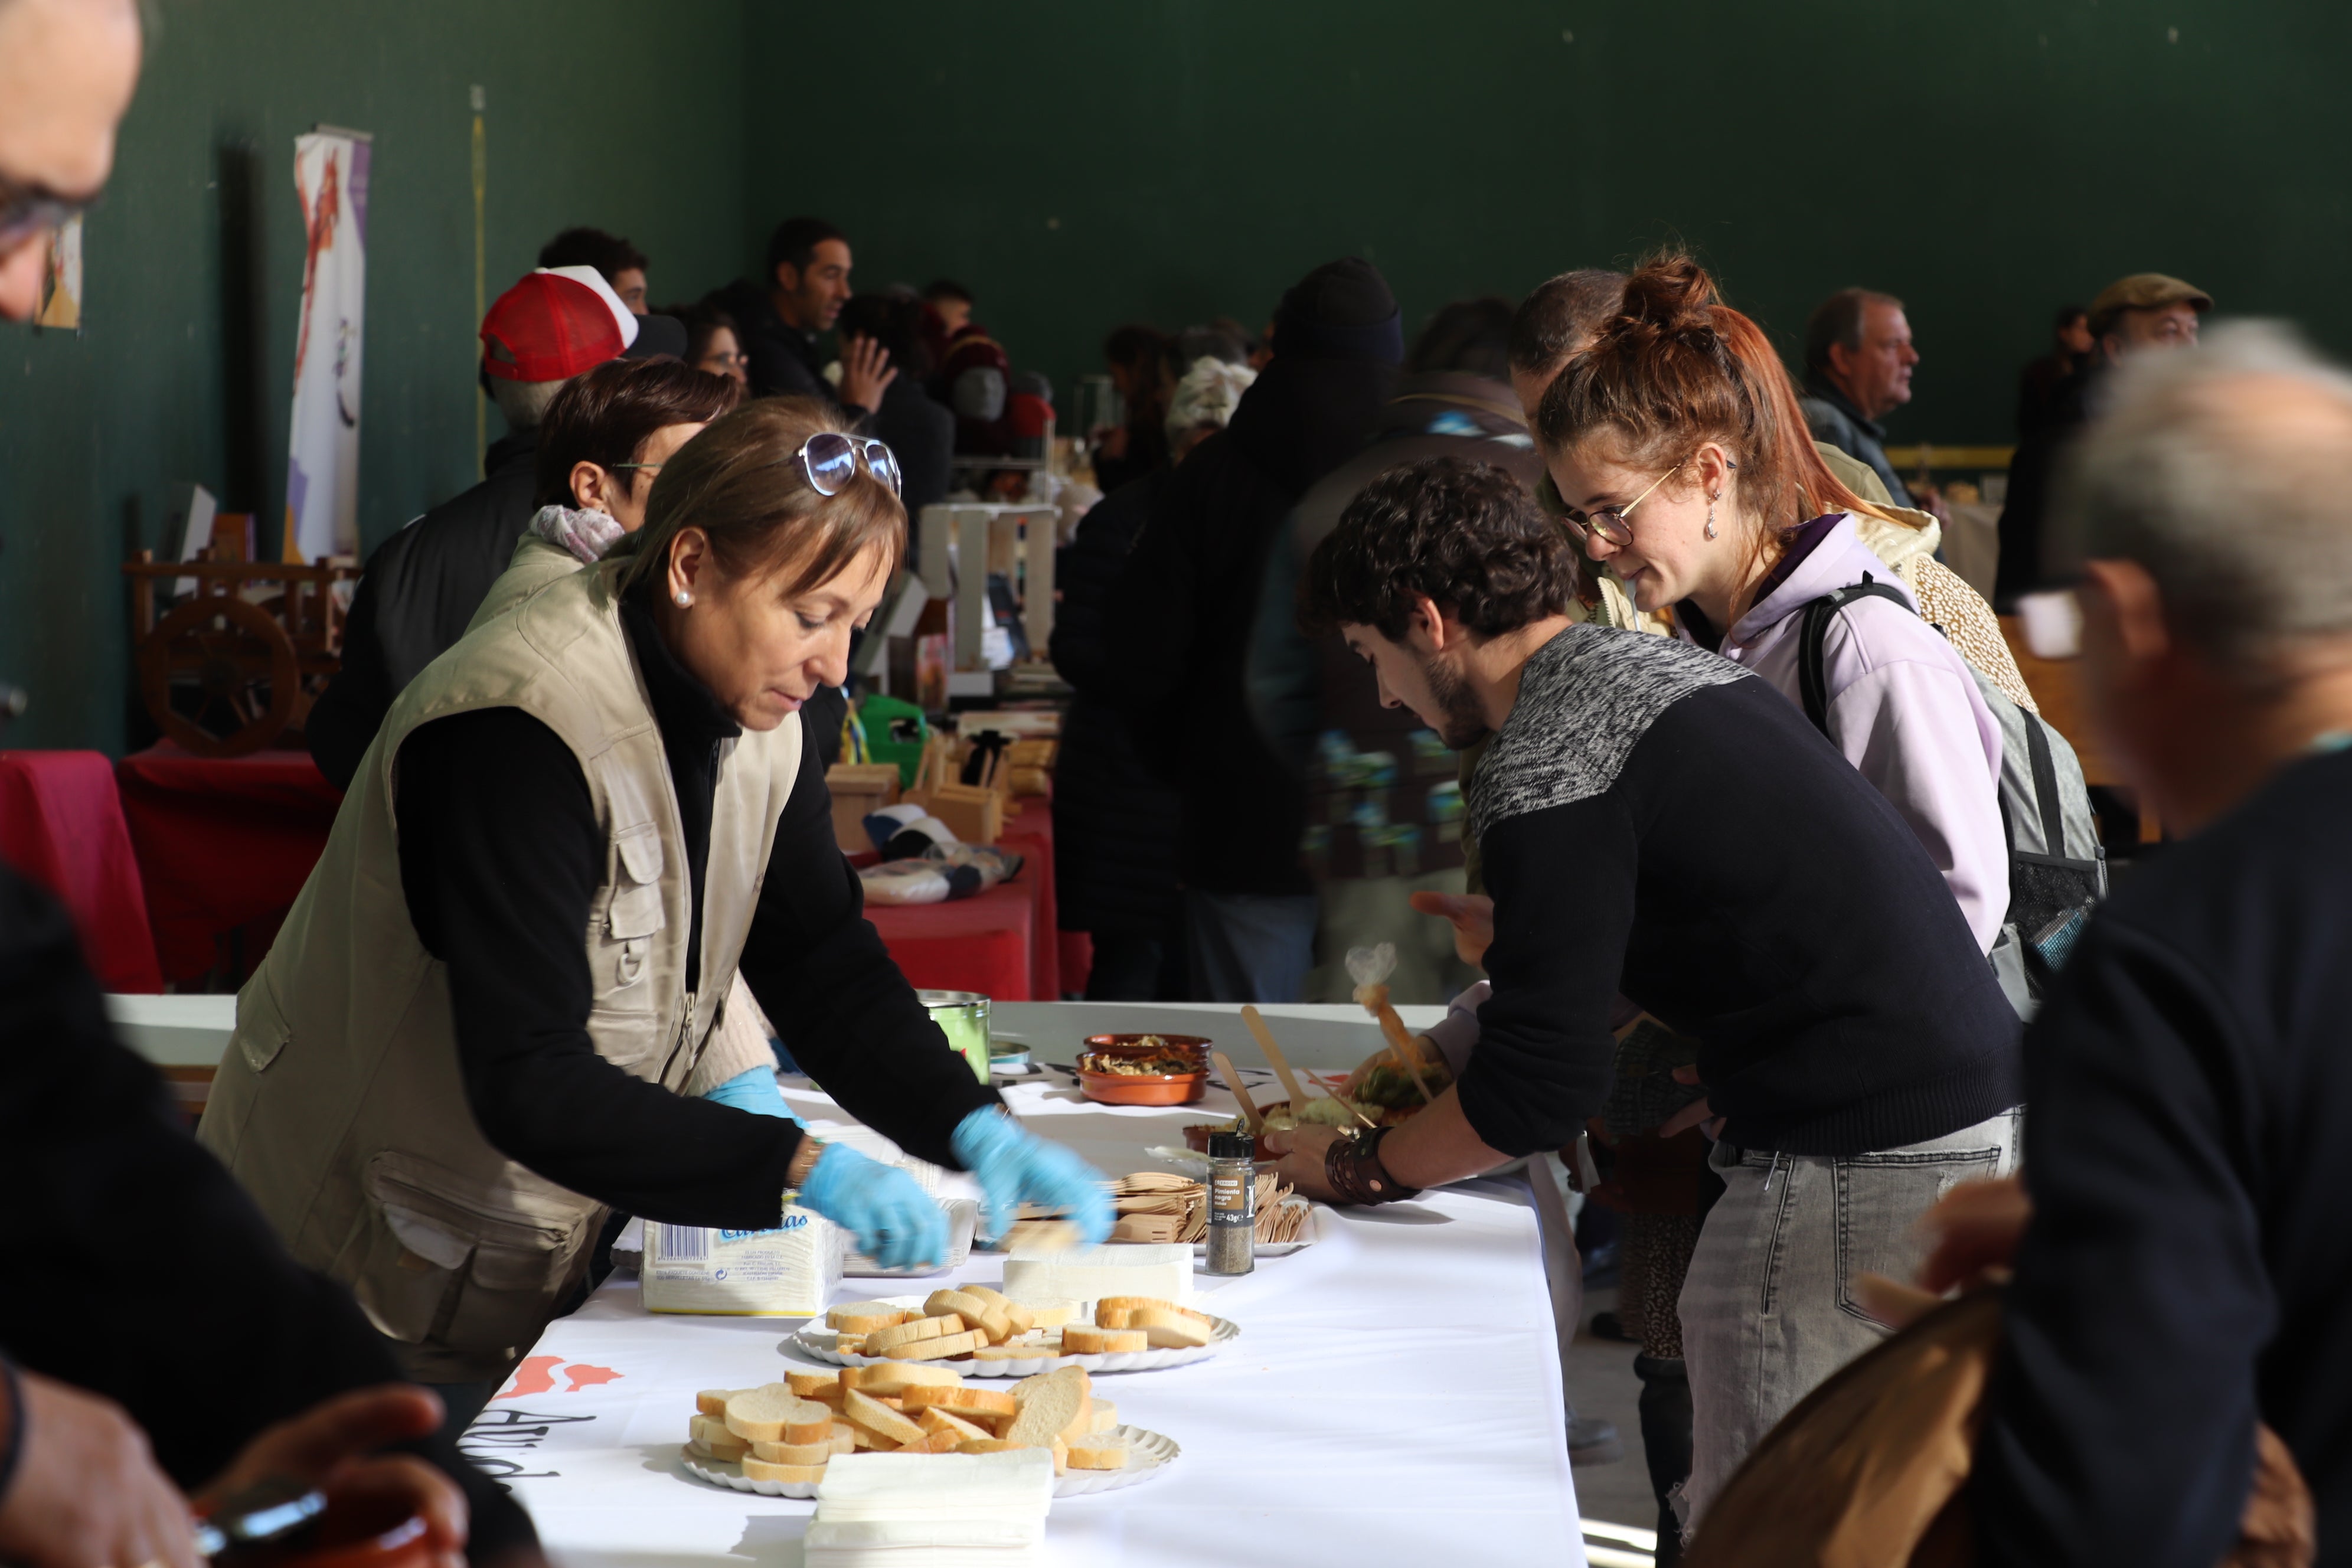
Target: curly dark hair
1466,535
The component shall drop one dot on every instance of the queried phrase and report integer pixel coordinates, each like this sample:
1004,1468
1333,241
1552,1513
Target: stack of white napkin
931,1511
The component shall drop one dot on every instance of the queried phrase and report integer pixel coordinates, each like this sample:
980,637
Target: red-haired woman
1688,471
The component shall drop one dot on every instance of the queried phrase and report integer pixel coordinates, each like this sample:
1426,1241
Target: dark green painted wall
598,112
1168,160
1078,165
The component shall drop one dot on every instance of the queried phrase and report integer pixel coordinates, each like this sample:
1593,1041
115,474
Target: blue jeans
1250,947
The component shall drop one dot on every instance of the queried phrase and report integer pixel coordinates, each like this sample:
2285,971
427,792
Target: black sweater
136,1267
1656,822
500,857
2190,1266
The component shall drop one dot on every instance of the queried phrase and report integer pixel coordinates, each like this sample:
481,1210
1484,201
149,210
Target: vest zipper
685,1034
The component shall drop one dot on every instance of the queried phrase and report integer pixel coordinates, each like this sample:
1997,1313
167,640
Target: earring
685,598
1711,517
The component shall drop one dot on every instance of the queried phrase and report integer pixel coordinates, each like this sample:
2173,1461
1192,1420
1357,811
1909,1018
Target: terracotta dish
1100,1078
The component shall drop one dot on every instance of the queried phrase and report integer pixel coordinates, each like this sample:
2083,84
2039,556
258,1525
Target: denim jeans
1769,1311
1249,947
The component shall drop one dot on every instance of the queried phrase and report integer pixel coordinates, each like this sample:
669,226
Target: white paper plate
1149,1453
815,1339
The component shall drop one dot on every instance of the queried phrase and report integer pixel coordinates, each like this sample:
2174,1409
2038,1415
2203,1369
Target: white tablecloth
1394,1398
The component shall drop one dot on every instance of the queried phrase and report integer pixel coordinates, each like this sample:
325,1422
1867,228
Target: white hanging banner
322,467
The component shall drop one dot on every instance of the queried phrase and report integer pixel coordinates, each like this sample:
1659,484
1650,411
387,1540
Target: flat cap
2144,292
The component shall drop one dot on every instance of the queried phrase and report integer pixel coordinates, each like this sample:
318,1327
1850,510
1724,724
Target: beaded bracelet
1353,1170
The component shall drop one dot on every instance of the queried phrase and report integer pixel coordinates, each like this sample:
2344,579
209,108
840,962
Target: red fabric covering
1001,944
223,842
61,826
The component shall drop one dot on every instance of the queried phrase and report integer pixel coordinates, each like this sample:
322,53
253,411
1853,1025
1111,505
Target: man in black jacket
423,584
1187,601
2183,1277
779,320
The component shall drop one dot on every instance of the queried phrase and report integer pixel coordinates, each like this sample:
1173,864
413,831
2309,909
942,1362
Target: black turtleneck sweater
500,858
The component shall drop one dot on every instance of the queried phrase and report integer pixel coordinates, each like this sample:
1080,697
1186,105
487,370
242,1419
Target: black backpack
2057,869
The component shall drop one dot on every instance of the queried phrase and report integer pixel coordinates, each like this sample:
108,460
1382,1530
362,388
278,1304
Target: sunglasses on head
829,461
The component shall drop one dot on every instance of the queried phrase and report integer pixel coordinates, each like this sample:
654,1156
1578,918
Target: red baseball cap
553,324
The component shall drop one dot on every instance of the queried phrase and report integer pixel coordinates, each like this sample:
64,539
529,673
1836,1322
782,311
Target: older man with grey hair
1858,365
2186,1276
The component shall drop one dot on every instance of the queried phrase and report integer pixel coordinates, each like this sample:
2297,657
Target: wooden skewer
1281,1064
1233,1081
1399,1039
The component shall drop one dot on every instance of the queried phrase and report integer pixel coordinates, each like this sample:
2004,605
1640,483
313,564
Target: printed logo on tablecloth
499,1438
537,1375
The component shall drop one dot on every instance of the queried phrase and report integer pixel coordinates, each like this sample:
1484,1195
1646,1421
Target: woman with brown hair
1688,473
490,1012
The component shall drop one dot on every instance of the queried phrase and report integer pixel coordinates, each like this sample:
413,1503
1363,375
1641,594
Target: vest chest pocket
632,914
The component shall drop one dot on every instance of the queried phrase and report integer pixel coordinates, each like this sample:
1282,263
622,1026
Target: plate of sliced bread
981,1334
777,1439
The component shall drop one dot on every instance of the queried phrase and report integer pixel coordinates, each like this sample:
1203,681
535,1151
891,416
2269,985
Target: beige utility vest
339,1103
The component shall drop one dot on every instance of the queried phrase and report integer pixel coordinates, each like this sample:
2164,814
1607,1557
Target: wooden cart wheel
219,676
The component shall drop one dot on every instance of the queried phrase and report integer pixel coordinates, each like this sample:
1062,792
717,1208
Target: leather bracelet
1353,1170
804,1161
12,1455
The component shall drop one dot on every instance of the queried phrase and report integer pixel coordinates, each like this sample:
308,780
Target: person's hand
1973,1232
333,1447
1014,1166
1698,1113
1300,1153
1473,915
87,1493
865,372
884,1210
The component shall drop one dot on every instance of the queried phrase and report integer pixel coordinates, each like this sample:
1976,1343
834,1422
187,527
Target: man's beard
1462,724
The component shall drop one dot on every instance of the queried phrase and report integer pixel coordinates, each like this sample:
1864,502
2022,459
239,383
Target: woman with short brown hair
492,1010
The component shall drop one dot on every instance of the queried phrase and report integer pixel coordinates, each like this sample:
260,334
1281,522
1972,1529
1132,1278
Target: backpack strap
1813,680
2045,785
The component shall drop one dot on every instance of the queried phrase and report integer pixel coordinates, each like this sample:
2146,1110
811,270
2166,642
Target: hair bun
1673,294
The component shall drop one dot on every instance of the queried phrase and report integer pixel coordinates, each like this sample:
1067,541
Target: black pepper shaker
1233,1203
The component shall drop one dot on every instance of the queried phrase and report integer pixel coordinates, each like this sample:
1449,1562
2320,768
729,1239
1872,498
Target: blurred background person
779,319
1858,363
920,430
1124,453
2037,386
621,265
712,344
1114,822
1385,807
1188,600
2145,313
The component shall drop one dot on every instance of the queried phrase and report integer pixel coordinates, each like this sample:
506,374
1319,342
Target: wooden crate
858,788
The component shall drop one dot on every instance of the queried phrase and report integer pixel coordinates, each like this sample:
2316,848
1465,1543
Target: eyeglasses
829,461
26,211
1609,522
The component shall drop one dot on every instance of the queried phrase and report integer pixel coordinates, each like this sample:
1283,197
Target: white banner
322,469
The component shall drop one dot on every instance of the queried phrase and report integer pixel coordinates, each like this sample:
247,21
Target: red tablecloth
1001,944
224,843
61,826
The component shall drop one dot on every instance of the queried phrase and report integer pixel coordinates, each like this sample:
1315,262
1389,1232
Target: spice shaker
1233,1203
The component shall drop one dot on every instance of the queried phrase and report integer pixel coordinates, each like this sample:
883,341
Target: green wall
1988,160
598,112
1165,159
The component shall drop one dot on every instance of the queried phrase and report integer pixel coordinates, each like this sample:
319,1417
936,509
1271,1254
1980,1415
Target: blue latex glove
754,1089
1013,1165
885,1211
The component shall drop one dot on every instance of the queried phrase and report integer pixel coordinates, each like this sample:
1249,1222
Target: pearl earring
1711,517
685,598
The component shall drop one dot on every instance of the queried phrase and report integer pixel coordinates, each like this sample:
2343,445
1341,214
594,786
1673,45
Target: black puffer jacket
1113,823
420,588
1189,598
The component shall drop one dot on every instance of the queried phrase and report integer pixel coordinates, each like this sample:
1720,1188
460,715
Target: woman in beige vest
492,1010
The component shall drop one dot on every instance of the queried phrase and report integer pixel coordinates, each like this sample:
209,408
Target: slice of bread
1137,1303
807,1384
794,1453
882,1341
1049,1406
845,1437
935,1443
865,1317
939,1349
714,1439
861,1439
935,1419
1105,1416
897,1377
977,1312
862,1410
765,1415
1169,1328
1051,1314
964,1399
792,1474
1110,1317
1099,1451
1014,1352
987,1293
712,1401
1078,1340
850,1344
988,1446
